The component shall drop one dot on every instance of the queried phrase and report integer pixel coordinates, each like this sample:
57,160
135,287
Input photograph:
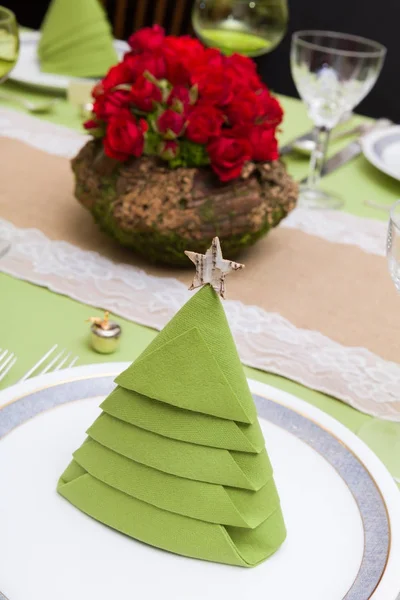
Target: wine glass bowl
333,72
9,42
249,27
393,244
9,50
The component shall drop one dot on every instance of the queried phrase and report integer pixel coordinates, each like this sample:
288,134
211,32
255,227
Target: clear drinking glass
9,42
9,49
393,244
333,72
249,27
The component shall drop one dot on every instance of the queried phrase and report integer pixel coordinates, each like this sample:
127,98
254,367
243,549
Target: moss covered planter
160,212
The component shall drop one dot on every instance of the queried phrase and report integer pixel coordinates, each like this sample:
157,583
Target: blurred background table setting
289,153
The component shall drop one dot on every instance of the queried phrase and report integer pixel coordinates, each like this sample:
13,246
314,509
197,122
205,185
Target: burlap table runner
336,289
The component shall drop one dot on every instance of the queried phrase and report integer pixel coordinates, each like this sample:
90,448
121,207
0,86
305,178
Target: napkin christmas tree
76,39
177,457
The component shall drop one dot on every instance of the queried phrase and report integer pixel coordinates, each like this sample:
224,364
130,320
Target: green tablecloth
33,318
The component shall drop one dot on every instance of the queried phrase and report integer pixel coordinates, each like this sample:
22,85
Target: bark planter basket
159,212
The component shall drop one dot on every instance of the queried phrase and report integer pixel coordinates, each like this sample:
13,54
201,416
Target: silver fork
60,360
57,362
7,361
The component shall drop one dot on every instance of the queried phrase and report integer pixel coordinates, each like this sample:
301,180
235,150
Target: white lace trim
265,340
343,228
53,139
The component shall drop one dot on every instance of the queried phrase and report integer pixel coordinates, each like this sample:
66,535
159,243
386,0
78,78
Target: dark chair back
129,15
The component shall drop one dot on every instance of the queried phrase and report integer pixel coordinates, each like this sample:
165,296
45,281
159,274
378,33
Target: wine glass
9,49
9,42
393,244
250,27
333,72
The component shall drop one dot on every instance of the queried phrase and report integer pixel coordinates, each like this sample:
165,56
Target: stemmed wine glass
9,49
393,244
333,72
250,27
9,42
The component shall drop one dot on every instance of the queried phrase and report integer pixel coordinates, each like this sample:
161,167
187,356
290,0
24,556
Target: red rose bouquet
190,105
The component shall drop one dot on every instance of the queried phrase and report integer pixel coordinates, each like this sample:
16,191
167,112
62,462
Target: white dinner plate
27,70
340,504
382,148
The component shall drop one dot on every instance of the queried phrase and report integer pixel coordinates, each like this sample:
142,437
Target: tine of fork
7,361
52,362
3,355
64,360
73,361
10,366
40,362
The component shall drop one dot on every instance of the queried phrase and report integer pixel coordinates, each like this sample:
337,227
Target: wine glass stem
321,137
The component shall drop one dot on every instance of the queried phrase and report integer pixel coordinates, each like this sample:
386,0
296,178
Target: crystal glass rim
6,15
379,49
394,216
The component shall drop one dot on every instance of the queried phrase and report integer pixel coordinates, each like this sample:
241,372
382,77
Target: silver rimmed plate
382,149
341,507
27,70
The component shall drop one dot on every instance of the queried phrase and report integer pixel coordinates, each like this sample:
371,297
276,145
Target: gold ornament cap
104,334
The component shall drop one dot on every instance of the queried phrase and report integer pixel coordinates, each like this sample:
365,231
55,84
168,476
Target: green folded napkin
199,500
76,39
178,424
177,457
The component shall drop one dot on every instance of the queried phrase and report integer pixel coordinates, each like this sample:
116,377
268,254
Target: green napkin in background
76,39
176,459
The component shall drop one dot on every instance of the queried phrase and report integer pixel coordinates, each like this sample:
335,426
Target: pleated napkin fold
177,457
76,39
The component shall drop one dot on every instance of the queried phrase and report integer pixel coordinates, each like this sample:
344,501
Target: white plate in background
382,149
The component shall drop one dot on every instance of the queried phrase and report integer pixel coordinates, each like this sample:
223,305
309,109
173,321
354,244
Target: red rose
91,124
145,94
169,149
214,87
207,61
170,123
204,122
153,62
181,54
110,103
242,72
184,46
179,96
269,109
149,38
124,136
228,155
243,66
97,90
243,109
264,143
116,76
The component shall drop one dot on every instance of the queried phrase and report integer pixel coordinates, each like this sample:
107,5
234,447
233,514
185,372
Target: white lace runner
45,136
337,227
266,341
